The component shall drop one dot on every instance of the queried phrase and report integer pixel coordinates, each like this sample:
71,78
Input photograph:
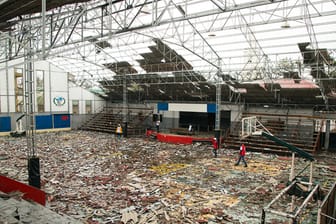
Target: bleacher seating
299,131
108,119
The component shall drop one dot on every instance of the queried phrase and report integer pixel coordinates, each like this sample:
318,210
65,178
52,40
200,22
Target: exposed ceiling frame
70,34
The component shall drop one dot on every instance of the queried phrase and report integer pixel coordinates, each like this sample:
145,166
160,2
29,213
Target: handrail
19,118
292,148
318,138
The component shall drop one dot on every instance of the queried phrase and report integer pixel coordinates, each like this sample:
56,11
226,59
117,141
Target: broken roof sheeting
296,84
162,59
191,86
121,68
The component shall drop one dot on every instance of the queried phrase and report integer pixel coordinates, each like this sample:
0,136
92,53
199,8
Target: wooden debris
96,179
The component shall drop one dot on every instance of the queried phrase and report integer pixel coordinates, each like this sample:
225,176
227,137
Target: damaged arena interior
140,111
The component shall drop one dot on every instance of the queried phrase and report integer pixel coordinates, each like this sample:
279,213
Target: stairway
296,130
108,119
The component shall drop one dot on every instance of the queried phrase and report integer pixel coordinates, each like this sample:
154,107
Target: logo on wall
59,101
65,118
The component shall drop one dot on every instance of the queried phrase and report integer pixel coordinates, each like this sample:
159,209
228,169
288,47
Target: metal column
29,99
327,135
8,46
43,28
125,111
218,103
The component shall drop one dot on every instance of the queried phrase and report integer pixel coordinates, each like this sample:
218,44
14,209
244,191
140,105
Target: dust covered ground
97,178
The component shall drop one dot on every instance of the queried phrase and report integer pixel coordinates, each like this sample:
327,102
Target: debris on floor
16,210
97,178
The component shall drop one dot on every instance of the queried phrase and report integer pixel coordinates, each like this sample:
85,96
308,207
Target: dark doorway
225,120
200,121
203,121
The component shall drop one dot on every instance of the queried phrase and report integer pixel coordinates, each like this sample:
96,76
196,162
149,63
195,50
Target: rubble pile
97,178
16,210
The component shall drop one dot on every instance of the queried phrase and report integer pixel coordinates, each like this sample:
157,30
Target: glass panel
88,107
40,90
75,106
18,89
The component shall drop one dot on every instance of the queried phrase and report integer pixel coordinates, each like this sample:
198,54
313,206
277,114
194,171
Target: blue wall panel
61,120
211,108
162,106
43,121
5,124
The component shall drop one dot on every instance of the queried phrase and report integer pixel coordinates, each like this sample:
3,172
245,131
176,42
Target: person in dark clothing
157,126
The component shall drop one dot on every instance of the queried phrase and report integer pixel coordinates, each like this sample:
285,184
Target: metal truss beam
79,27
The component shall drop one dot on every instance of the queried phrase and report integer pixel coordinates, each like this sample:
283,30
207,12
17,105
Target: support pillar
125,110
327,135
291,176
34,172
29,101
218,104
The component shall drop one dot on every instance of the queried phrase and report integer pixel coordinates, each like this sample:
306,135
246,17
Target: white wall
55,85
59,88
188,107
236,111
81,94
7,95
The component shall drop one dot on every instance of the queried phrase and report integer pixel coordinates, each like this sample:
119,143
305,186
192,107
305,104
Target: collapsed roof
97,41
176,81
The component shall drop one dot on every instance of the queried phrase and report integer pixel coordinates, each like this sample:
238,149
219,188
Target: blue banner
211,108
162,106
5,124
43,122
61,120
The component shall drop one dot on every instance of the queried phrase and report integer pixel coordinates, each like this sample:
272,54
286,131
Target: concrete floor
97,178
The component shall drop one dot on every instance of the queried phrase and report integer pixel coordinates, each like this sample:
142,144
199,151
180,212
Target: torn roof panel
296,84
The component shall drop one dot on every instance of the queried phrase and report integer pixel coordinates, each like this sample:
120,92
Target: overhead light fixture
211,35
285,25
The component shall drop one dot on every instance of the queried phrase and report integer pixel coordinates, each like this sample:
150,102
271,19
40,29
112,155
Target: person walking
215,146
157,126
119,131
190,129
242,153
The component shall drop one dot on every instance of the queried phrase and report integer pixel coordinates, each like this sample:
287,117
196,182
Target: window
40,90
75,106
88,107
18,75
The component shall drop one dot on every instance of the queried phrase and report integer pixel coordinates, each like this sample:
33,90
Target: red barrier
176,139
8,185
179,139
149,132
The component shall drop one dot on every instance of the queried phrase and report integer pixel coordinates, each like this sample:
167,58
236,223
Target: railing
106,120
318,138
327,210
